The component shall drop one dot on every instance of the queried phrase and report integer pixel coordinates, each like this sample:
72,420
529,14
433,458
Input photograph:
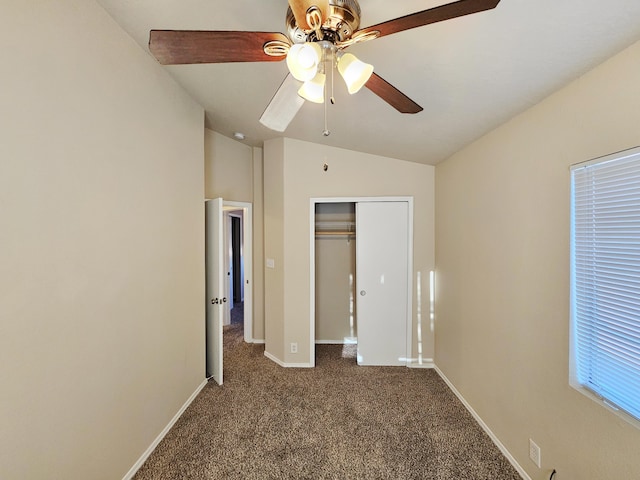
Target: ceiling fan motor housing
343,21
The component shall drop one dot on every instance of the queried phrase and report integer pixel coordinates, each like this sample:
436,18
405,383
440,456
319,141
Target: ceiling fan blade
283,106
392,95
432,15
301,7
178,47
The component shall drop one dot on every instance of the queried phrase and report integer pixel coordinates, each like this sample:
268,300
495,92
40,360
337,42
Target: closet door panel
382,265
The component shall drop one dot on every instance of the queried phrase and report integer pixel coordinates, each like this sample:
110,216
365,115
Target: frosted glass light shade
354,72
303,60
313,90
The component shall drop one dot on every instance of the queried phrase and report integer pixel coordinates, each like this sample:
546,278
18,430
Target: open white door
215,288
382,282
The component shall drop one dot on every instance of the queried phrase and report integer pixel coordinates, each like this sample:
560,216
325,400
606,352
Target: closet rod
328,233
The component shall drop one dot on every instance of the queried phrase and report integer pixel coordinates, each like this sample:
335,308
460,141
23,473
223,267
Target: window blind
605,279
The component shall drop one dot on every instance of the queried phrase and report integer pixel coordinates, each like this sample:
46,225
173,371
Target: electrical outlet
294,348
534,453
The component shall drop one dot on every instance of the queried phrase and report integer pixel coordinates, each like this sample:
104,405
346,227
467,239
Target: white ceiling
470,74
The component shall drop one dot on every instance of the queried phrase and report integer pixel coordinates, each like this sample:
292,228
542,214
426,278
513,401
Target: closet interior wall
335,249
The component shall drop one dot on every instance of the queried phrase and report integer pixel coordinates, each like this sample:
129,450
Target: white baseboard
485,427
286,365
426,363
136,466
273,358
342,341
258,341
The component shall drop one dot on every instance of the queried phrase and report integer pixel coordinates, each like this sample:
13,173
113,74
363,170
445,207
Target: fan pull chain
326,131
333,67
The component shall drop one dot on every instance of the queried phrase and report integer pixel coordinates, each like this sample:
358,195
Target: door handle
363,293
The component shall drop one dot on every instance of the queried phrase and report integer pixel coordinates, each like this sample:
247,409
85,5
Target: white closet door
382,258
215,288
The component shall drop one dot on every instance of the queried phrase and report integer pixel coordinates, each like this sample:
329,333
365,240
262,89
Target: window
605,281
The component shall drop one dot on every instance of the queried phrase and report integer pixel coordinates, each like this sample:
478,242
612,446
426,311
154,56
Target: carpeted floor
237,313
335,421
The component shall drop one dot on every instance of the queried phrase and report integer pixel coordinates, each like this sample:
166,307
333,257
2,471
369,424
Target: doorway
235,270
238,247
218,261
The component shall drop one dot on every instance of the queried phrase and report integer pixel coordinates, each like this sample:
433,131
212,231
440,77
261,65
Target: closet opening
335,282
361,276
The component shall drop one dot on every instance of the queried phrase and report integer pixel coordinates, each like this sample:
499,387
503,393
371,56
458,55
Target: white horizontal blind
606,278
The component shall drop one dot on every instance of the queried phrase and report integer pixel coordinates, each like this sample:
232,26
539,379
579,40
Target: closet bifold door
382,265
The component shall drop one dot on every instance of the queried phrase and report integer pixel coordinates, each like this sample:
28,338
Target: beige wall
335,266
502,262
293,175
258,246
101,244
233,171
228,168
274,246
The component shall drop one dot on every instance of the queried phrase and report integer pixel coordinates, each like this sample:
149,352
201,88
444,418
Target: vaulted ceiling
470,74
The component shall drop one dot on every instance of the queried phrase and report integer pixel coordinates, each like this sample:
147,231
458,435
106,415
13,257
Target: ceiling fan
318,33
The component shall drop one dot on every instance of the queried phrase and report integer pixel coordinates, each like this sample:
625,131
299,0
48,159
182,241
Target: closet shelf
343,228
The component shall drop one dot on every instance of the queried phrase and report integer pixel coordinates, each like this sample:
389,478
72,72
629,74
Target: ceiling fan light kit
318,32
306,60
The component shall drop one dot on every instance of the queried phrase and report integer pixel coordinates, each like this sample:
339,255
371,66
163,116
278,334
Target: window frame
574,381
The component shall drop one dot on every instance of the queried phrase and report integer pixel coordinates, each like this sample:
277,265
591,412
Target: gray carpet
237,313
336,421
